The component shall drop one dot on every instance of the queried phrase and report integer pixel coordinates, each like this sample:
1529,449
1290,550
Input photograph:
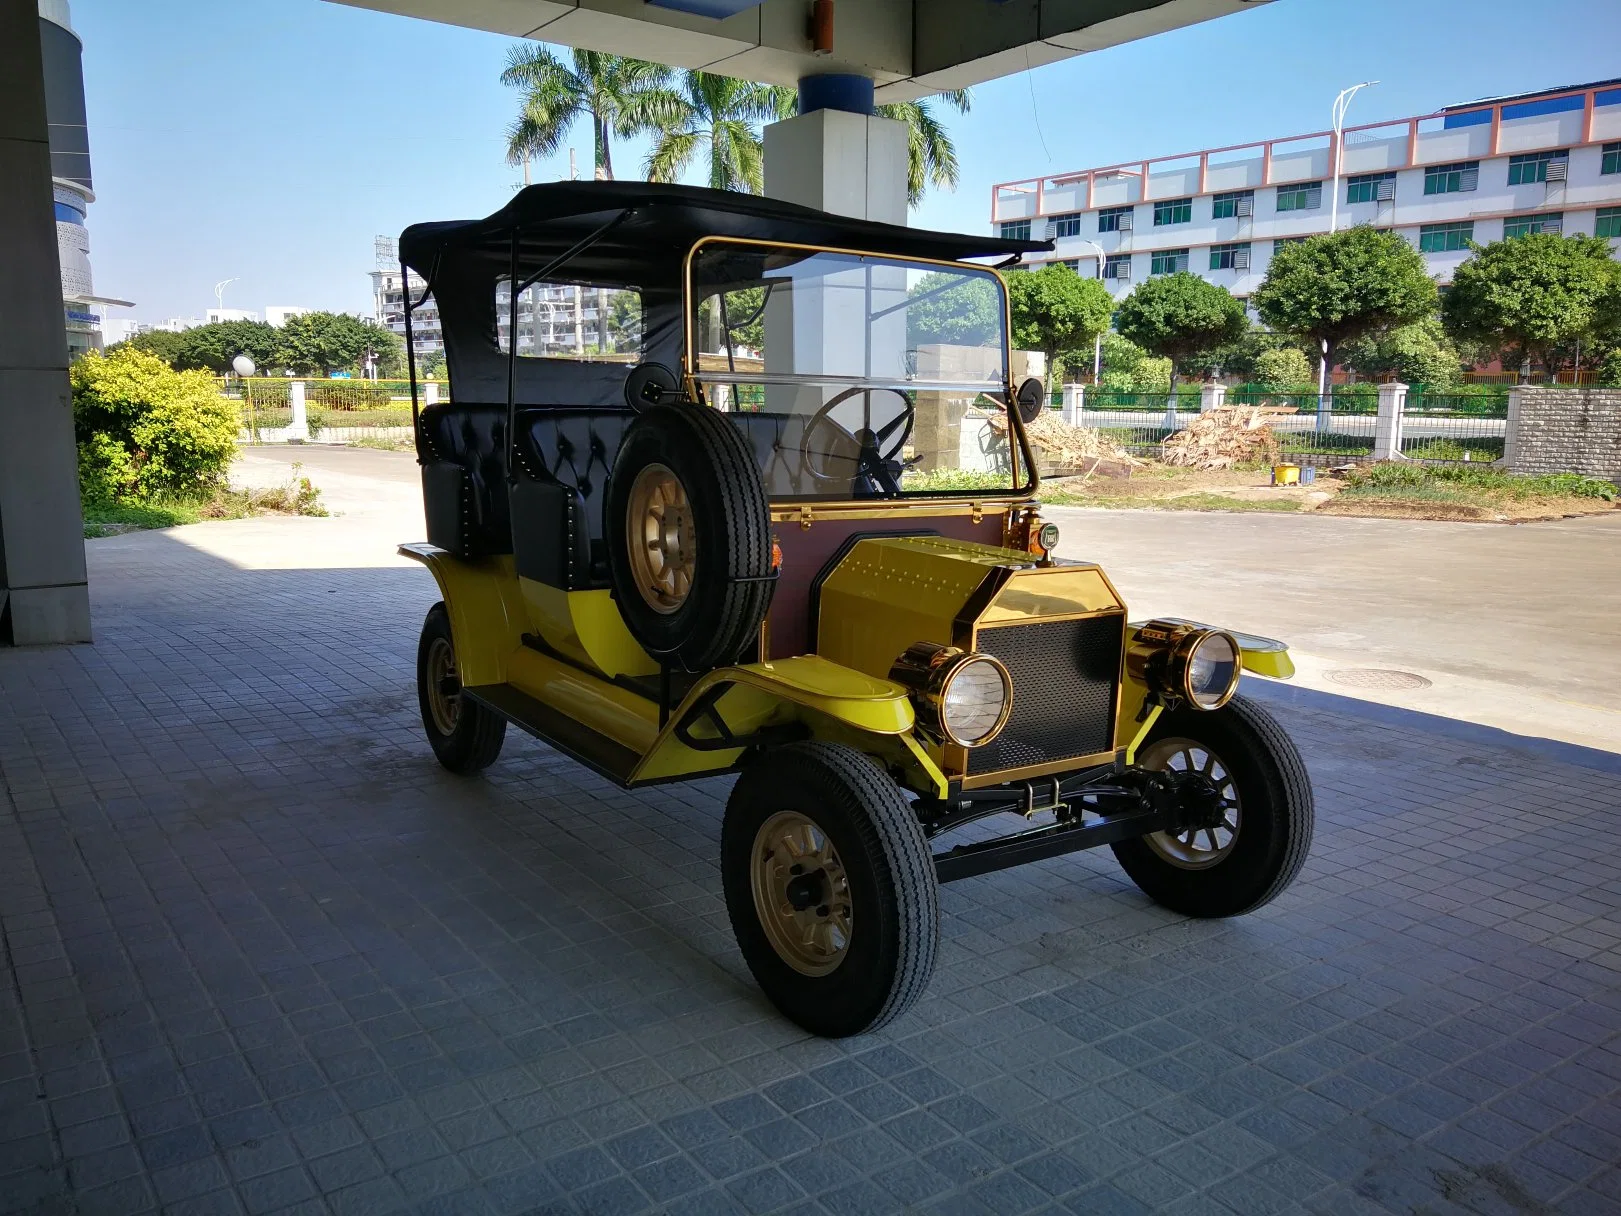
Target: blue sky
270,142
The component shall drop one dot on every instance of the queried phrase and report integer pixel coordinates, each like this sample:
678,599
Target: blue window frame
1451,179
1446,238
1016,230
1226,206
1607,222
1303,196
67,214
1066,225
1364,188
1532,167
1167,261
1109,219
1173,211
1612,159
1524,225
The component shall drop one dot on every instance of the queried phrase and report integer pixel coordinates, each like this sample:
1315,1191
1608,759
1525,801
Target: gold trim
806,514
1021,452
1003,776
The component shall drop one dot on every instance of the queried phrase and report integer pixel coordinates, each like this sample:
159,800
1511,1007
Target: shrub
1399,474
1609,371
146,430
1278,371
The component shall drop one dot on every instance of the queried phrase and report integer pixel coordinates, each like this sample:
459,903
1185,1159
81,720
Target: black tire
731,519
1274,823
894,914
475,734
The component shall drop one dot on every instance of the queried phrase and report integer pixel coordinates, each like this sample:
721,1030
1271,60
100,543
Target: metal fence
1454,427
336,411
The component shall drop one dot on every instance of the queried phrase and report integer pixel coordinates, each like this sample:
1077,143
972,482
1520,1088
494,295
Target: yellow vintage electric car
725,484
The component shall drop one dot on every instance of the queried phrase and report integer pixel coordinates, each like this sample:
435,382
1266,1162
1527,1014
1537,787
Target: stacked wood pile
1062,446
1225,436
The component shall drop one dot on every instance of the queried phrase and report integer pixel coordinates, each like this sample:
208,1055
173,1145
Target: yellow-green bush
146,430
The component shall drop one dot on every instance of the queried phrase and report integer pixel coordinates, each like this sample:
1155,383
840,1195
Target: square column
43,593
834,160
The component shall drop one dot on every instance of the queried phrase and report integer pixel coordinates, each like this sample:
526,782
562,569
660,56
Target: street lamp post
1097,343
1342,103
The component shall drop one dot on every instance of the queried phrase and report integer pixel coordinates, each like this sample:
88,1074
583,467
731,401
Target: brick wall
1565,430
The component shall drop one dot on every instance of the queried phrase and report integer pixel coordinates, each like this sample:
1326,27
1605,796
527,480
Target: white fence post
430,393
1511,430
1387,427
1211,397
1074,403
299,431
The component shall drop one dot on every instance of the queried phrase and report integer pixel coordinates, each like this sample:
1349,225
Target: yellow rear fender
487,613
762,702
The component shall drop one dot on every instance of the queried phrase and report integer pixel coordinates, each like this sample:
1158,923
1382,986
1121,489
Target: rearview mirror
1031,398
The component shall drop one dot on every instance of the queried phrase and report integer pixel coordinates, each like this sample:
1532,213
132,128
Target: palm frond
670,155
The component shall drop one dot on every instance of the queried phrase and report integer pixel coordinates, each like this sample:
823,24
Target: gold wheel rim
1196,848
663,547
443,706
801,893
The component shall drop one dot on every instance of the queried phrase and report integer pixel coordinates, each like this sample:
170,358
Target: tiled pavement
263,955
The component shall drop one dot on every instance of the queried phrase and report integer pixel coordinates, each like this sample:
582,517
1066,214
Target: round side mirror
649,384
1031,398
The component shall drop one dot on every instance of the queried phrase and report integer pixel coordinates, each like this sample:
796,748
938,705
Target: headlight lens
1212,670
961,697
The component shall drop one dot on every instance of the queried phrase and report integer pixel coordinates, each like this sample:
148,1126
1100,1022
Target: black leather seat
776,440
564,459
464,478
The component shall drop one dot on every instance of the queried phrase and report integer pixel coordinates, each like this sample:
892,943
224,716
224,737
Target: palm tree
931,156
619,96
718,112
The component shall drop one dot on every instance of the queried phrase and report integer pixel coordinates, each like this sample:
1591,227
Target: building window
66,214
1118,266
1445,238
1608,222
1235,204
1304,196
1173,211
1366,188
1612,159
1168,261
1064,225
1230,257
1524,170
1451,179
1523,225
1016,230
1114,219
1073,263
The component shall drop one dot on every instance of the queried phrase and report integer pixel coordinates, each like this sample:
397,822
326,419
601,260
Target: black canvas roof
659,223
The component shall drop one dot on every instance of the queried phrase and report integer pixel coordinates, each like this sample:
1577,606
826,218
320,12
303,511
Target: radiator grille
1065,675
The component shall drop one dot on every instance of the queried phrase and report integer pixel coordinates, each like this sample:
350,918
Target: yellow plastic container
1286,474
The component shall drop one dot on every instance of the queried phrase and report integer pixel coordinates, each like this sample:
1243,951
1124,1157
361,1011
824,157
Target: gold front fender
487,614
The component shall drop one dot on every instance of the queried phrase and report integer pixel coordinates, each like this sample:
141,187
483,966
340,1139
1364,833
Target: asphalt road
1512,625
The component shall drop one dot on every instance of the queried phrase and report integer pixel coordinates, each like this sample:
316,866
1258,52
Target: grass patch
297,497
1465,491
376,444
1181,502
955,479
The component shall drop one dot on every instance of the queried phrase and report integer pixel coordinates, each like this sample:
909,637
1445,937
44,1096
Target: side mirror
1030,399
649,384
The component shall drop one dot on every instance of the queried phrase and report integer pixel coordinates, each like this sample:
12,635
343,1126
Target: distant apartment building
217,315
567,315
277,314
388,309
1548,161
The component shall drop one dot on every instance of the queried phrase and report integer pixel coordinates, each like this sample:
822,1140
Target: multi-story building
388,309
568,315
1536,162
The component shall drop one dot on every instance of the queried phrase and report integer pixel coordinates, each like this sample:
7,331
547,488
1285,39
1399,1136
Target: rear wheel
1254,845
830,888
464,735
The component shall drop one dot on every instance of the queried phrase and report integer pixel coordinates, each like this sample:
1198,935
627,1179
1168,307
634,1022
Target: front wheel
830,888
1265,812
464,735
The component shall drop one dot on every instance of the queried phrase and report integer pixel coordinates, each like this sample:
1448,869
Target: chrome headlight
1183,662
962,697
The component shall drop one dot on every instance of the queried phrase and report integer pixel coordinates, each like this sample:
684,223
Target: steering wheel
876,449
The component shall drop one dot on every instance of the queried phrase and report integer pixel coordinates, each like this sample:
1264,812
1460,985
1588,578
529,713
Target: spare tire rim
444,686
1195,848
801,893
663,546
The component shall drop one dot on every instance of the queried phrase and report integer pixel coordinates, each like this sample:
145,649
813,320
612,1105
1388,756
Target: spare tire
689,536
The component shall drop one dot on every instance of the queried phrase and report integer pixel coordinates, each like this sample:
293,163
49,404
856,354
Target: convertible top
651,219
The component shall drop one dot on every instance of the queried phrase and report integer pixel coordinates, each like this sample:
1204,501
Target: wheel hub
444,687
1208,815
662,542
801,893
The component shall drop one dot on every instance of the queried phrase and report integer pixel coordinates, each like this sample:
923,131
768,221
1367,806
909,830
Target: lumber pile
1225,436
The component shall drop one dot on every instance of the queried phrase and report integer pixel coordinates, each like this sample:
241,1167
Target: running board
574,739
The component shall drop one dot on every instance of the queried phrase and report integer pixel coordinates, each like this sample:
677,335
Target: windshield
856,376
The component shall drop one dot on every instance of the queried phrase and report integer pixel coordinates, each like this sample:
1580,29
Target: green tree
931,156
717,114
1054,310
319,343
1329,289
618,96
145,430
214,347
1281,369
163,343
1415,354
1529,296
1181,317
951,309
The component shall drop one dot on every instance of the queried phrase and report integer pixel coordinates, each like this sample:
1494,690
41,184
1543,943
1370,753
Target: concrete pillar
44,596
1212,396
845,160
1074,403
299,431
430,393
1387,428
1511,430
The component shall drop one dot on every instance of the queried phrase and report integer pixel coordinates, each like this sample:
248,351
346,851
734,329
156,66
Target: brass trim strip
1002,777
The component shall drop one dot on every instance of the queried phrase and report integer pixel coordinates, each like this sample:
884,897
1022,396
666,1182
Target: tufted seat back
776,440
573,450
464,478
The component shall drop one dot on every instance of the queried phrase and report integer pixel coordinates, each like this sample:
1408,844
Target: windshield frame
1023,476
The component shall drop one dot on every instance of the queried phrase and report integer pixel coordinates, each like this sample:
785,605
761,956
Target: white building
568,315
1535,162
277,314
216,315
388,310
